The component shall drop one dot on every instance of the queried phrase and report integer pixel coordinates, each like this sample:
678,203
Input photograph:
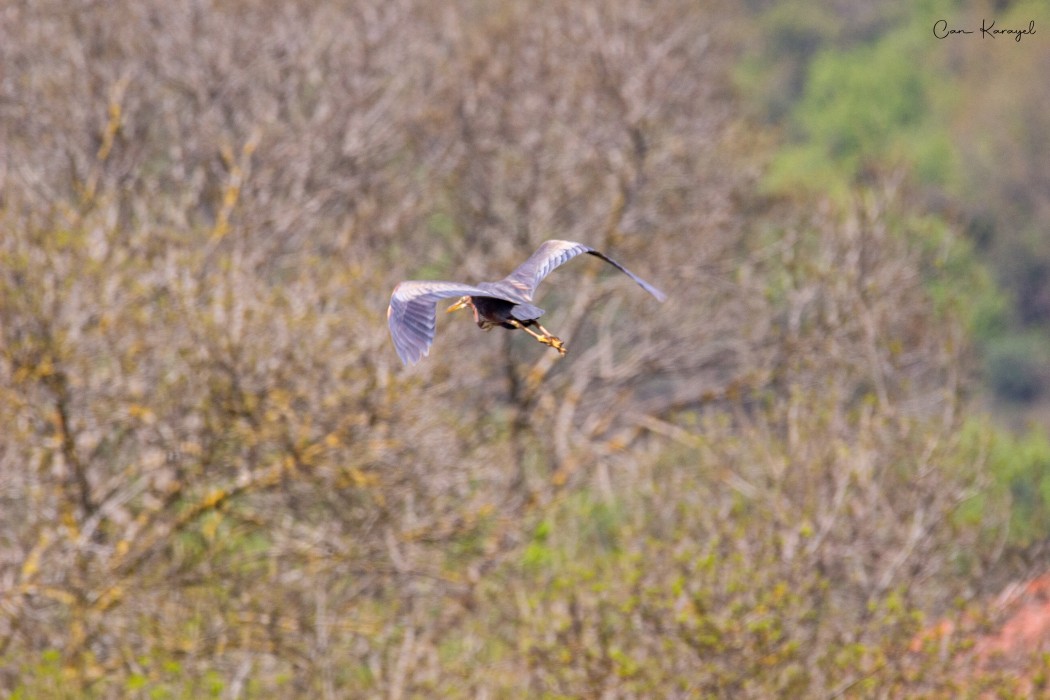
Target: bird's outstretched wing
524,280
412,317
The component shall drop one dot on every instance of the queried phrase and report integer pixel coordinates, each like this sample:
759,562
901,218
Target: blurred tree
868,90
215,479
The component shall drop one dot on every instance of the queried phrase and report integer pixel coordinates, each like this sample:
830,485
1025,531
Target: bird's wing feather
412,317
526,312
549,256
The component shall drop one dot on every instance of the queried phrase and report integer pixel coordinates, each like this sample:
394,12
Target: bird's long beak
458,305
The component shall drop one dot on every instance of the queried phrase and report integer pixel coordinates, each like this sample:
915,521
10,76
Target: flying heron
506,303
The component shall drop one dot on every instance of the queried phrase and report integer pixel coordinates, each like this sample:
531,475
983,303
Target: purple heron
506,303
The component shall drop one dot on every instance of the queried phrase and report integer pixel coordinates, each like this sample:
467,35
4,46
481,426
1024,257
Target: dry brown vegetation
217,480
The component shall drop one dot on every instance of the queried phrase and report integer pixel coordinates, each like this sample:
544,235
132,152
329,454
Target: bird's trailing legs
546,338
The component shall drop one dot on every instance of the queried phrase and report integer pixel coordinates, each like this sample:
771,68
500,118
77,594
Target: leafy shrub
1016,366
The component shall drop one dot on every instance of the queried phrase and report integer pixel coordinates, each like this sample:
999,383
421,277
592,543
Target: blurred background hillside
216,479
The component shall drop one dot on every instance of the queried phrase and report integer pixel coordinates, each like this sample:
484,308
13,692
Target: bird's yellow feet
555,343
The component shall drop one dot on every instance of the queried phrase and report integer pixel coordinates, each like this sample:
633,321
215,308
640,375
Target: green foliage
1022,466
154,680
538,554
1018,467
786,36
856,101
1016,366
865,106
881,94
43,678
959,284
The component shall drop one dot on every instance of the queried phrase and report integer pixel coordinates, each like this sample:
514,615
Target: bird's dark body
505,303
499,312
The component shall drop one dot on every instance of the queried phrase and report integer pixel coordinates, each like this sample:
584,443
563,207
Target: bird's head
464,303
461,303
